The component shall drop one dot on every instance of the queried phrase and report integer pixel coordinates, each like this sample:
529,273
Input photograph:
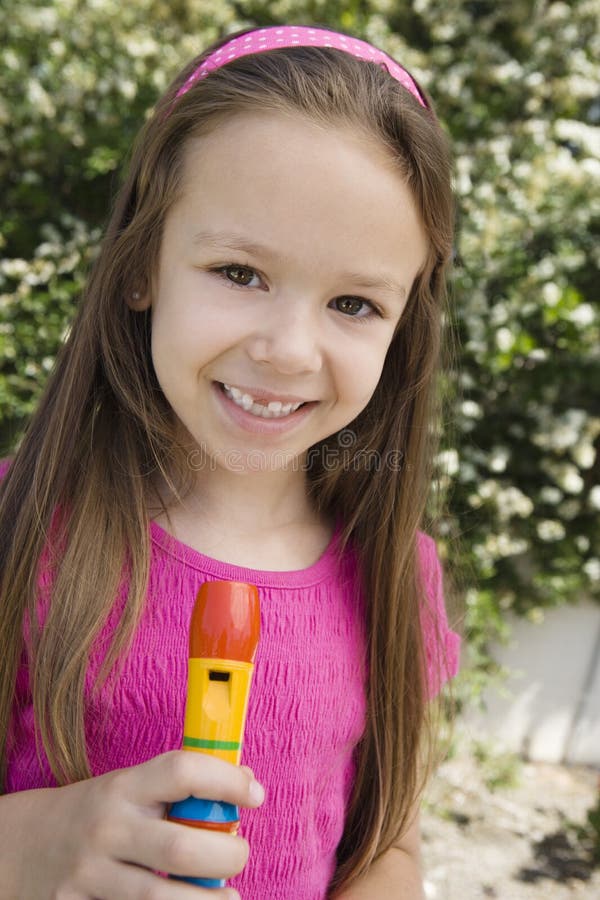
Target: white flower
499,458
582,315
587,136
594,497
128,88
572,482
488,489
534,79
509,71
546,267
471,410
558,12
47,249
40,98
562,432
592,568
562,164
40,18
40,272
511,501
550,530
550,495
140,46
14,268
10,60
569,509
448,461
551,293
584,454
467,472
499,314
463,176
57,47
538,353
501,545
591,167
505,339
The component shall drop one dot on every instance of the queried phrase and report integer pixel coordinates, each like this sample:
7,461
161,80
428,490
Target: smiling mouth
274,409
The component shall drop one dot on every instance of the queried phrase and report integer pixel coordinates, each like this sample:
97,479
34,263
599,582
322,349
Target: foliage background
517,86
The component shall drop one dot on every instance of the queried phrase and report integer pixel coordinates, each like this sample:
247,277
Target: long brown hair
103,429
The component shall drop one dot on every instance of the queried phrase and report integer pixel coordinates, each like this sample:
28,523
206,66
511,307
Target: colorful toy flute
223,638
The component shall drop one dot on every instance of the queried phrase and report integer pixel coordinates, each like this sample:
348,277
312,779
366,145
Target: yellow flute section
217,703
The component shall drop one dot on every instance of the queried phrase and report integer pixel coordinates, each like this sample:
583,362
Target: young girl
247,393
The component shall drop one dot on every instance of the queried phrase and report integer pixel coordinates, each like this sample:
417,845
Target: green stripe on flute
202,744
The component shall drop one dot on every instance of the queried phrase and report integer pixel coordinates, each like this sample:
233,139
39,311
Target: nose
289,341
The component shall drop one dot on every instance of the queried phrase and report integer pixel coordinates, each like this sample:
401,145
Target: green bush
516,85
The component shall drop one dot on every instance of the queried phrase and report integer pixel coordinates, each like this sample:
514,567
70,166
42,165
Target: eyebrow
234,241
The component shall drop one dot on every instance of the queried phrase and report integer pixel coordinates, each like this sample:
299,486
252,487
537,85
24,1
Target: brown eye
350,305
238,274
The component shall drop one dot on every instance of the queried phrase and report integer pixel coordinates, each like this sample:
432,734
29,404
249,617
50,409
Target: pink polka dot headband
276,37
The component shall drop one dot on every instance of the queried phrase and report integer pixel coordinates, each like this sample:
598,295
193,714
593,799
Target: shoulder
432,578
442,645
428,553
4,466
430,565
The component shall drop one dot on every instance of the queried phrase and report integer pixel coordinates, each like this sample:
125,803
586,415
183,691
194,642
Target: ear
139,301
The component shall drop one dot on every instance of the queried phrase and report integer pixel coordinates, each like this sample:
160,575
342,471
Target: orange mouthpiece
225,622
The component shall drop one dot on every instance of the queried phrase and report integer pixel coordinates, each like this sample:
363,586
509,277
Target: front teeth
274,410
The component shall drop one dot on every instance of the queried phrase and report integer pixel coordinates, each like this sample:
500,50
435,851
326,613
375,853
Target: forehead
292,181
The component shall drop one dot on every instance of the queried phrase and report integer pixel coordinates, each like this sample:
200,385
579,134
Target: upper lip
262,394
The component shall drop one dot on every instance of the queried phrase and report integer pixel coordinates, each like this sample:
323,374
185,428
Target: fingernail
257,792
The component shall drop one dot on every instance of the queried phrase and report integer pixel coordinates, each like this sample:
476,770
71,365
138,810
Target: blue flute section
195,810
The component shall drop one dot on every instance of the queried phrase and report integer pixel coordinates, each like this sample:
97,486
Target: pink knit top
306,711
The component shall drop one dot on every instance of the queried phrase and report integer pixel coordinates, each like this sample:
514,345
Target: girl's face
285,266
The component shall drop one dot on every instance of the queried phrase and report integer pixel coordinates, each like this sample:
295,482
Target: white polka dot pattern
276,37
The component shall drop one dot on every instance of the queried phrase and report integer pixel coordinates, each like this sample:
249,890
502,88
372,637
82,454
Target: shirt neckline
322,568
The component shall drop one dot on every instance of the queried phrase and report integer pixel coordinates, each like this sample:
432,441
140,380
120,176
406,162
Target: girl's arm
106,836
396,875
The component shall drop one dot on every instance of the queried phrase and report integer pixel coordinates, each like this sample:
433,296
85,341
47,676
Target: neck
251,501
258,520
247,502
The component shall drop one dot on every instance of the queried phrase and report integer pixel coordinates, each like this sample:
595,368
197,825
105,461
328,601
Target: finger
182,773
119,880
183,850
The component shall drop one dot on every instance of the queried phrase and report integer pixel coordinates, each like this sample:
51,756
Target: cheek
176,353
361,373
180,331
164,346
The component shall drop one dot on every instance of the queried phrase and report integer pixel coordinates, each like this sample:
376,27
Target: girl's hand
101,838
